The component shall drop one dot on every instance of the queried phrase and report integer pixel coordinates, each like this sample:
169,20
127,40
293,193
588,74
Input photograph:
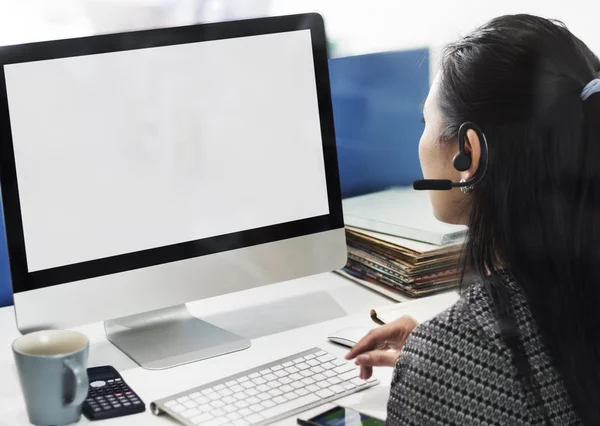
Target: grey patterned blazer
456,370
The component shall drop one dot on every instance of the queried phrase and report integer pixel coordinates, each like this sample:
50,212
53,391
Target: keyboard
268,393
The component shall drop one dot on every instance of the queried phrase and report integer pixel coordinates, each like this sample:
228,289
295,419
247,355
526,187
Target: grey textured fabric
456,370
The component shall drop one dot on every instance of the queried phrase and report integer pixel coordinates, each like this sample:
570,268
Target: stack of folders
397,247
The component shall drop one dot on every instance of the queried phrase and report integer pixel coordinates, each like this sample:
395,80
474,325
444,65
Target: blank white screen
127,151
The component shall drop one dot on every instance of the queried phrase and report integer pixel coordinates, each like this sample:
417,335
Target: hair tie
591,88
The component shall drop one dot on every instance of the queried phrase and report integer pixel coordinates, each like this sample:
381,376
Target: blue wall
377,101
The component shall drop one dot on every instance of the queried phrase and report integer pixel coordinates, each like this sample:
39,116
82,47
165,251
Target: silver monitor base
170,337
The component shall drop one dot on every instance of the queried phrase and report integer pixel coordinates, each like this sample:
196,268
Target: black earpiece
461,162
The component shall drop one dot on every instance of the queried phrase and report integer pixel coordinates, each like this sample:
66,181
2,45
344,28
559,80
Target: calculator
109,396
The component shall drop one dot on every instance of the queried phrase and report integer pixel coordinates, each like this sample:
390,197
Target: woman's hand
381,346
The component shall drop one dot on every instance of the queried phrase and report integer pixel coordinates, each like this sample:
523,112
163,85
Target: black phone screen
340,416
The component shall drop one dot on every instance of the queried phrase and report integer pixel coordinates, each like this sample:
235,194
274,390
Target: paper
421,310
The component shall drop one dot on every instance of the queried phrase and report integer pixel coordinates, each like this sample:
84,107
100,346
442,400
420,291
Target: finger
374,339
366,372
378,358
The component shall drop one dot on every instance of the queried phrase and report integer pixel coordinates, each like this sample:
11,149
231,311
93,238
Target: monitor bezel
23,280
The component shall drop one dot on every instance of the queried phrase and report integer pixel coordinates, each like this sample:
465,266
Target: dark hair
537,210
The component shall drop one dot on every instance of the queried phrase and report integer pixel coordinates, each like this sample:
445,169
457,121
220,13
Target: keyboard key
324,384
286,388
251,392
329,373
244,412
231,383
240,422
233,416
241,404
270,377
337,389
253,400
281,373
265,371
229,400
301,391
349,375
324,393
298,360
259,381
169,404
263,388
275,392
279,399
297,385
188,414
292,370
178,408
334,380
327,366
214,396
205,408
201,418
326,358
219,387
312,362
217,404
289,406
320,353
247,385
217,422
225,392
275,384
268,403
263,396
285,380
254,418
190,404
229,408
319,377
195,395
257,408
358,382
183,399
344,368
302,366
313,388
348,385
291,395
218,412
296,376
311,356
306,373
317,369
236,388
276,368
287,364
207,391
243,379
337,362
254,375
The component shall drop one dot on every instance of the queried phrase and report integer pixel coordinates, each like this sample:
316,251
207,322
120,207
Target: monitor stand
170,337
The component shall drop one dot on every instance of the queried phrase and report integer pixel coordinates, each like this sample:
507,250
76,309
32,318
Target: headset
461,162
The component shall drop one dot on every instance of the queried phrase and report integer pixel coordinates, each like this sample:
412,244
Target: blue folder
377,101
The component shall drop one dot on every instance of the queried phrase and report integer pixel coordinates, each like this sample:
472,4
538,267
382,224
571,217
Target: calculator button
117,405
118,380
138,402
98,384
111,381
97,410
126,404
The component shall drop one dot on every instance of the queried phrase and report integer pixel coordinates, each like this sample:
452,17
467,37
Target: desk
280,319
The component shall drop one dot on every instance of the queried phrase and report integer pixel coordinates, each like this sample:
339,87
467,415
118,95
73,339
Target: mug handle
81,382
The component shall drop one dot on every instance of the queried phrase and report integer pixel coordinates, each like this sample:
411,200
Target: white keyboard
267,393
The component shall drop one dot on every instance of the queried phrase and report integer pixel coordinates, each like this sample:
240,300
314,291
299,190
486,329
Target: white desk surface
280,319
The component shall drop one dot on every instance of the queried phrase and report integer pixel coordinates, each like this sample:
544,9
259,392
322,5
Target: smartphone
340,416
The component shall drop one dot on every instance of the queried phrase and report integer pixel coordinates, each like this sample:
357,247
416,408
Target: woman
522,346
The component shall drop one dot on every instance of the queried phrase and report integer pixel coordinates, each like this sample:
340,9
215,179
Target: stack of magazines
408,258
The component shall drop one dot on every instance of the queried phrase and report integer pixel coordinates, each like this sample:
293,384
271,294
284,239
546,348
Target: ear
473,147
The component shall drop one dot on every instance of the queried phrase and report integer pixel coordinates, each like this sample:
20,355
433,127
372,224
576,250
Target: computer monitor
144,170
